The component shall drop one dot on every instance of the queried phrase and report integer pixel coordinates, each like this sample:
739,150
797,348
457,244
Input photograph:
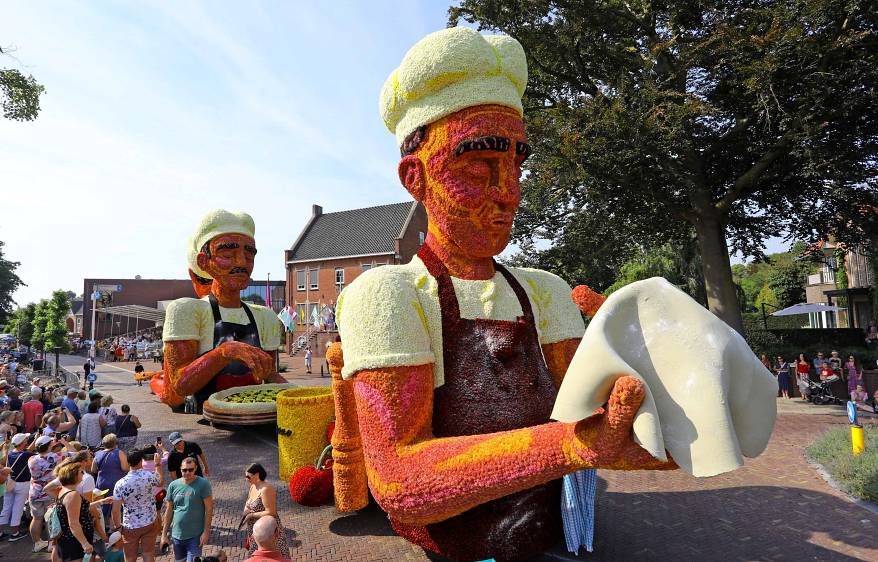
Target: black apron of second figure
227,331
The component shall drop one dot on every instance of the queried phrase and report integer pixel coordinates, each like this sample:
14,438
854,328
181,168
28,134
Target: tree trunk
722,298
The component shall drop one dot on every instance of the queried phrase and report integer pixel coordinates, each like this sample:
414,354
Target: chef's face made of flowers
229,260
465,169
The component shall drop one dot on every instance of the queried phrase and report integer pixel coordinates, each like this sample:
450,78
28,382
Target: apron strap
520,293
447,297
217,318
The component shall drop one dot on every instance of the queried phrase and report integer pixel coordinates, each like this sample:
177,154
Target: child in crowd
114,548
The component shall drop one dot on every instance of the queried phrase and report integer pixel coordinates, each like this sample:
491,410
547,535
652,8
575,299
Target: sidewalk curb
865,504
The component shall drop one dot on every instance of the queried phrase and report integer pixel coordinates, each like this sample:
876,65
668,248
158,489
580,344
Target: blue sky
157,112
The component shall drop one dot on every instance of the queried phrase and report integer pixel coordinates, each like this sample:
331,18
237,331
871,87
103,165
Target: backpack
53,522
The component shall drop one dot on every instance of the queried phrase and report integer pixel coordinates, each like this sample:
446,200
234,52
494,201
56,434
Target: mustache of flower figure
235,270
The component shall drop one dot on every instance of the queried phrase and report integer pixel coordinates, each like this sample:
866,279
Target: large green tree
9,283
735,119
678,263
19,94
20,324
55,332
39,323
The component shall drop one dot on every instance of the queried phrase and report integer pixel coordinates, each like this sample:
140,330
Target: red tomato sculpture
311,486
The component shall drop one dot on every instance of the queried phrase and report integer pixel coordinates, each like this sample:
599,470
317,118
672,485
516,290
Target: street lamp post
94,304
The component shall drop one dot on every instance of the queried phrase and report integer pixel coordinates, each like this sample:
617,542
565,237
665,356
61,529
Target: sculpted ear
412,177
203,261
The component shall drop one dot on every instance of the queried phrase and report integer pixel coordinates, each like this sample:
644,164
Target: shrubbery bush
856,474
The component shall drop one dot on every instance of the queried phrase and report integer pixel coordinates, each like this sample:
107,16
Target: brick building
146,298
146,293
333,249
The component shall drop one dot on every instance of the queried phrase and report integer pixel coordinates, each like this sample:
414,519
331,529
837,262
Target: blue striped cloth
577,509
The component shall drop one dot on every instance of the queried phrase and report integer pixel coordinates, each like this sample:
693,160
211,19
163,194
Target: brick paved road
775,508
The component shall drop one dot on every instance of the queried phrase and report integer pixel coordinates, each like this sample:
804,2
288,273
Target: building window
313,278
367,266
421,238
339,277
300,279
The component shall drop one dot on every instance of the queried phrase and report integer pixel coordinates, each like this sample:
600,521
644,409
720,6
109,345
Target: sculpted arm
420,479
186,372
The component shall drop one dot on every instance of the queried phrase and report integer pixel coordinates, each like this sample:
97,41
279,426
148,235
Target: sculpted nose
505,190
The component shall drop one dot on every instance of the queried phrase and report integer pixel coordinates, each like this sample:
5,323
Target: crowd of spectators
144,346
803,373
81,478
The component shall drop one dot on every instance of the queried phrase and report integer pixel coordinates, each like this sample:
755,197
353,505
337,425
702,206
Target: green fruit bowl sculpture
245,405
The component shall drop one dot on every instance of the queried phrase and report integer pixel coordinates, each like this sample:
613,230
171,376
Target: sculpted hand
586,299
259,362
604,440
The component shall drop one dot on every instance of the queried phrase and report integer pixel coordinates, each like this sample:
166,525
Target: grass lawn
857,475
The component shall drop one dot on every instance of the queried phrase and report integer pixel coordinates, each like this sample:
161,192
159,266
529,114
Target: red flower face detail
472,162
230,261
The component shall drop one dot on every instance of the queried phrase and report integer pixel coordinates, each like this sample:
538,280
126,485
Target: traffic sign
852,412
109,288
91,377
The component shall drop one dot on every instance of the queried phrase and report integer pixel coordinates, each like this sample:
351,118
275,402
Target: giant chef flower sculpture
457,361
217,342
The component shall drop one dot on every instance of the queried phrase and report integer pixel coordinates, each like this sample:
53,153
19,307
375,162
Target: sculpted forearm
420,479
185,371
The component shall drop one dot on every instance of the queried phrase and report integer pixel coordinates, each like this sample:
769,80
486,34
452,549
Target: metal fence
67,377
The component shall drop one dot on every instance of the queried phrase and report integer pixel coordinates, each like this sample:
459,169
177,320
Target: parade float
447,398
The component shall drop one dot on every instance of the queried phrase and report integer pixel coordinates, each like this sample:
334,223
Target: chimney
316,210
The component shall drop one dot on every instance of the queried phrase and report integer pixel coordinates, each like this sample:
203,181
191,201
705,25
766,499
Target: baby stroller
821,392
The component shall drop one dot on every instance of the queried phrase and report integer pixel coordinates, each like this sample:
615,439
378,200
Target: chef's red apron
495,380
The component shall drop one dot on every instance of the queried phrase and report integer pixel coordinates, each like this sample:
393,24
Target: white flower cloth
708,399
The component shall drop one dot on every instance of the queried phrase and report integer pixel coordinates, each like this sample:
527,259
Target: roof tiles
372,230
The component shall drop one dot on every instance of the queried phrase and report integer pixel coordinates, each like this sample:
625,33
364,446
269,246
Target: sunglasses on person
187,470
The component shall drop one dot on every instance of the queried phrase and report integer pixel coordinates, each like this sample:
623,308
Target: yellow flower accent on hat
220,221
450,70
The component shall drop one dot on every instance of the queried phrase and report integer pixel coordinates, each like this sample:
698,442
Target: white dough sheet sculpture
709,401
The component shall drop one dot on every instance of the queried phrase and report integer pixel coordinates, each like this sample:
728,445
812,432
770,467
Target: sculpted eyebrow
227,246
496,144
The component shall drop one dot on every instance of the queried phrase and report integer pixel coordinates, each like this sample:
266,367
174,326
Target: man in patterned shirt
134,507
